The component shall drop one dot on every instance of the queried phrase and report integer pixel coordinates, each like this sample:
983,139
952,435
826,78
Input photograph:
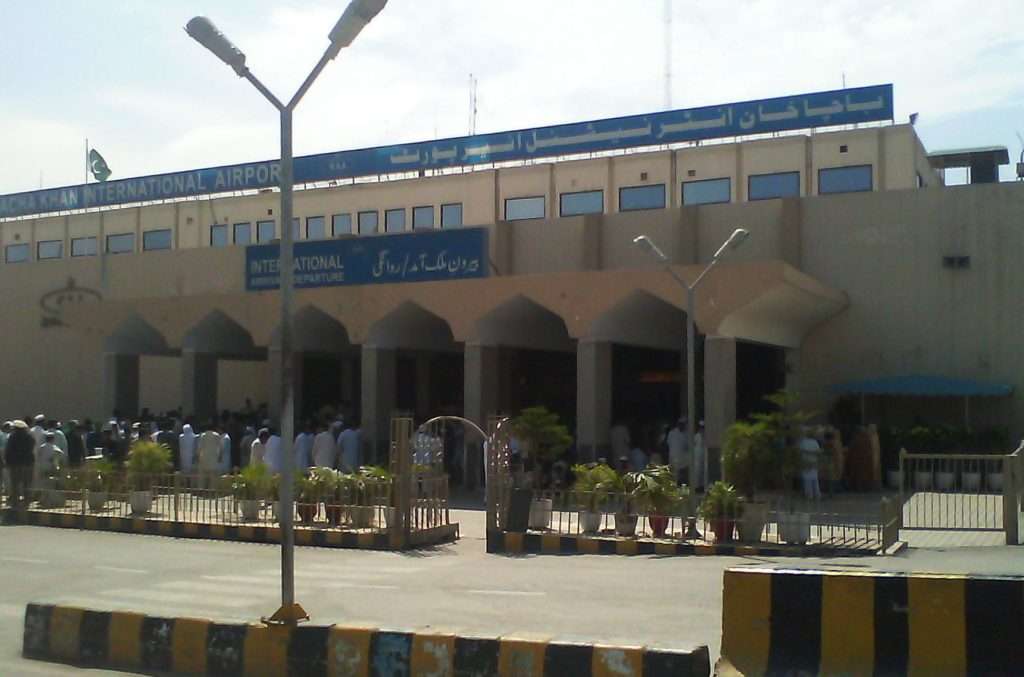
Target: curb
104,639
518,543
221,532
777,621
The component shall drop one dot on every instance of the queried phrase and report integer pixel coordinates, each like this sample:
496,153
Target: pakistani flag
98,166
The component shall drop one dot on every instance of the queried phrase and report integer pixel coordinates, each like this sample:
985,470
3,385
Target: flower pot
751,524
335,514
540,513
97,500
362,516
923,479
944,481
892,479
625,525
307,512
795,527
971,481
52,498
995,481
388,516
590,522
140,501
658,524
250,509
722,528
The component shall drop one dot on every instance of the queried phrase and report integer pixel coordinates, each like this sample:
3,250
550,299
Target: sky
125,75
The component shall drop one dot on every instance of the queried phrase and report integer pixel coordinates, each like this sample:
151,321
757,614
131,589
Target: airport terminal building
483,274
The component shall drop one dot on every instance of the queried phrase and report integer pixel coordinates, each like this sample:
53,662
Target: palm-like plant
593,485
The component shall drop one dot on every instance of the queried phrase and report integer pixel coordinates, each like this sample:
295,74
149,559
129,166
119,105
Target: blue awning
916,385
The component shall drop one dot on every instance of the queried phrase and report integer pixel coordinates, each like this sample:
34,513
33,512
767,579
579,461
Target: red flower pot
334,513
658,523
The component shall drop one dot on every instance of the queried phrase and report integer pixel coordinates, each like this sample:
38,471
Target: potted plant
326,482
590,490
721,509
657,494
145,461
378,486
307,498
544,438
749,460
352,493
252,486
57,482
97,477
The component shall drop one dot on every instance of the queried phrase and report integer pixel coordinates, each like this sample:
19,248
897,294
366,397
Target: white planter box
141,502
540,513
590,522
795,527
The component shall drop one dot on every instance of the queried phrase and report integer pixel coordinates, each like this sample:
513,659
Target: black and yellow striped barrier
326,538
788,622
519,543
186,646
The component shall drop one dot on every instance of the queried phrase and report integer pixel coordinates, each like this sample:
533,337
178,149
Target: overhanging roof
964,157
917,385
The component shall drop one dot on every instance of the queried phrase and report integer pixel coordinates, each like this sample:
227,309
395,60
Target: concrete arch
315,331
641,319
135,336
218,334
410,326
520,322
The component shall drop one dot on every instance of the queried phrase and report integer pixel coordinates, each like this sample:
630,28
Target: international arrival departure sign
426,256
801,111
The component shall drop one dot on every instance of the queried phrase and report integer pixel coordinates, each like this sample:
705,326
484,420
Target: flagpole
87,159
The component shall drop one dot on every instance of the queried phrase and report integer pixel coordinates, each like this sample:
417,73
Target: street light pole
647,244
356,16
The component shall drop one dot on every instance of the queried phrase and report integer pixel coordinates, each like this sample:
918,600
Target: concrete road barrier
777,621
200,647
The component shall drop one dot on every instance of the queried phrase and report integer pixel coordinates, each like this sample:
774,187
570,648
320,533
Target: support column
120,384
378,400
199,384
719,397
274,383
480,382
593,398
422,387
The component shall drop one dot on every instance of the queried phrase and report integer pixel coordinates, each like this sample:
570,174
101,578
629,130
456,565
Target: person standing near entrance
304,448
19,457
210,451
186,449
325,449
679,451
349,442
810,451
618,437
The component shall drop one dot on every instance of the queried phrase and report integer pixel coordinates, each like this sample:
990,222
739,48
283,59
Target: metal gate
956,492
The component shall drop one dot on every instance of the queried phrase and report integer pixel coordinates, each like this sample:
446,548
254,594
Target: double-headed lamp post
356,16
647,244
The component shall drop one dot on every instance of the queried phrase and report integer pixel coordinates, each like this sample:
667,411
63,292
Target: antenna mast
668,54
472,104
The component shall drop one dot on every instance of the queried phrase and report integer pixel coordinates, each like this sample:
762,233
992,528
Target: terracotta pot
334,514
723,527
658,524
307,511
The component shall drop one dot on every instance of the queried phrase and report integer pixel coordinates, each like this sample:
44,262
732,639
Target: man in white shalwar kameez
325,449
304,448
186,449
273,456
349,442
209,452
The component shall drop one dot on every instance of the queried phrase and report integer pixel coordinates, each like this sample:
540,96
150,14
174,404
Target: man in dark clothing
19,458
76,444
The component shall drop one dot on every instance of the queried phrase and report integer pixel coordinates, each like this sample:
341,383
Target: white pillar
593,398
719,395
120,384
378,398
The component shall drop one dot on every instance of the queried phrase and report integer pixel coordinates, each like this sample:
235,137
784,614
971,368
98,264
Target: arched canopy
135,336
522,323
316,332
642,319
220,335
411,327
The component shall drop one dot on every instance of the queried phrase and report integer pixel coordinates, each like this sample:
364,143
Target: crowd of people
634,448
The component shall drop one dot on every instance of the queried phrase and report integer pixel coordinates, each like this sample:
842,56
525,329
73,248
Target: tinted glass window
265,231
641,197
17,253
844,179
316,228
451,215
588,202
243,233
121,244
769,186
83,246
367,223
707,192
157,239
50,249
218,236
517,208
394,220
423,217
341,224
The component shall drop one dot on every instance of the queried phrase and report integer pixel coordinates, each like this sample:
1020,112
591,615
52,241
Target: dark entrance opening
321,382
539,377
646,390
760,371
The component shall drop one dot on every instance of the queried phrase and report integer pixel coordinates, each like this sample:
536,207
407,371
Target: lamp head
352,21
206,34
735,240
647,244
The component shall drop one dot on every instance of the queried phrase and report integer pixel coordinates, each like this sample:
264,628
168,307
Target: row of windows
631,198
367,223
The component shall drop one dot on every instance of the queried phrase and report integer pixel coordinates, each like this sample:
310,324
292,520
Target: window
844,179
316,228
367,223
243,233
586,202
121,244
265,231
423,217
219,236
16,253
394,221
156,239
920,180
451,215
84,246
341,224
49,249
641,197
518,208
707,191
770,186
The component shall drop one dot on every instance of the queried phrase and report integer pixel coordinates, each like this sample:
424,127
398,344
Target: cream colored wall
861,149
532,181
578,176
629,170
707,162
768,156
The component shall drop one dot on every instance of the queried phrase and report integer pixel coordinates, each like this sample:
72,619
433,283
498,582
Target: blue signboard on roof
426,256
801,111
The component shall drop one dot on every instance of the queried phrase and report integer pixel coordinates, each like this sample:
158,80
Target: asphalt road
660,601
